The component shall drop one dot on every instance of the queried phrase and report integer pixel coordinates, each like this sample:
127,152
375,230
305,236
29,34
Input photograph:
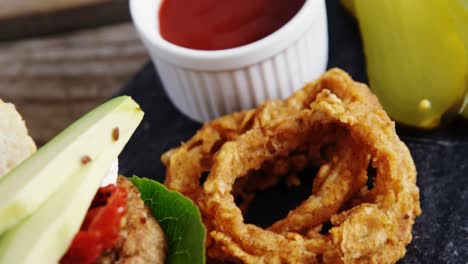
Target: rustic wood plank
13,8
39,18
55,80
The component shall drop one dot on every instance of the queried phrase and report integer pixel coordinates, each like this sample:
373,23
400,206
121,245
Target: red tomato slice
101,227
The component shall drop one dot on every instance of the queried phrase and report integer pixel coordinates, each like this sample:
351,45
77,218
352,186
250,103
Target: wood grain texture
12,8
55,80
28,18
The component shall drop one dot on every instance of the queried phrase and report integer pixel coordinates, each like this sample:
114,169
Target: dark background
440,234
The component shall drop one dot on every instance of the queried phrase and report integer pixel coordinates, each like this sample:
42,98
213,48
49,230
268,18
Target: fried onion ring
186,163
333,122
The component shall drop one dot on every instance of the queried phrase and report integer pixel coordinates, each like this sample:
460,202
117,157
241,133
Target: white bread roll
15,143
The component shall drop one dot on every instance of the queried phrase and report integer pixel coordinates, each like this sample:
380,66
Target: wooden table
59,59
53,80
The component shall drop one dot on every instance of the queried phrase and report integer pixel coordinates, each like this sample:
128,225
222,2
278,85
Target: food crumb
85,159
115,134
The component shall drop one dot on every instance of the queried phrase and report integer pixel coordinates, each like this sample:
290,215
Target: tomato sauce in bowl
223,24
215,57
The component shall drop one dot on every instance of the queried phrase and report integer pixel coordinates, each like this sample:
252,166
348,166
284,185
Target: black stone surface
441,232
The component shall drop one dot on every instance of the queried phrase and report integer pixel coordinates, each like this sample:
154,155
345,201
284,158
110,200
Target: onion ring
372,232
377,225
186,163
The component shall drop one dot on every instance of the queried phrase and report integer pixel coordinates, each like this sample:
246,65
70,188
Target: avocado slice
100,133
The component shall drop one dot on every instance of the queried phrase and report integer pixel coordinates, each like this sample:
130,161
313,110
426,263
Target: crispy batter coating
186,163
333,122
142,240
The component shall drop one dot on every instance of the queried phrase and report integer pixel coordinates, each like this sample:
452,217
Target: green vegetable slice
28,186
179,218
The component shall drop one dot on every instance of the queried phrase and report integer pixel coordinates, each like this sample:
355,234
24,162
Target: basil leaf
179,218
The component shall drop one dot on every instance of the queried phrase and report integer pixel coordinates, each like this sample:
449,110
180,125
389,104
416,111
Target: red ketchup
101,227
223,24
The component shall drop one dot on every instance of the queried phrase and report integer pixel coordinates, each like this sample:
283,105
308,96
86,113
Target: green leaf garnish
179,218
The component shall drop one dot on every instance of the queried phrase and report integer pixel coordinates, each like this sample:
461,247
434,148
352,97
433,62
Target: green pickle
416,60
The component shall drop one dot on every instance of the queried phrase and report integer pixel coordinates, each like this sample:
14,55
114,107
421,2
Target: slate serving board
440,234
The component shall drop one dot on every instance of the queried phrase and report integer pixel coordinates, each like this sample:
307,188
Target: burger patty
141,238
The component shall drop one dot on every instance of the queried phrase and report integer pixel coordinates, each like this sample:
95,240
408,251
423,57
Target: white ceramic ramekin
207,84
